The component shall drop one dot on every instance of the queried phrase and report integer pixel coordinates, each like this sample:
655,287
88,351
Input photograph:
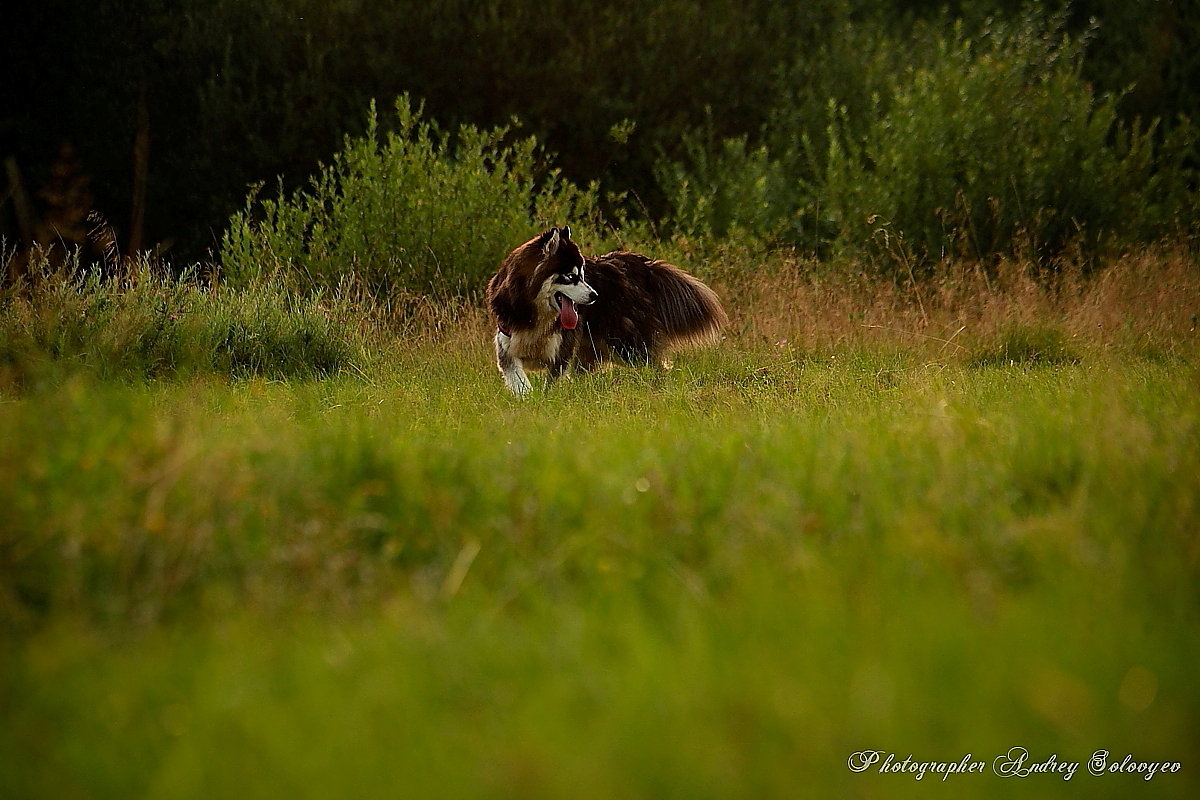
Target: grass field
717,581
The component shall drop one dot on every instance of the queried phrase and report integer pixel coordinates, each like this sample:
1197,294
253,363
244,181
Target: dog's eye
572,278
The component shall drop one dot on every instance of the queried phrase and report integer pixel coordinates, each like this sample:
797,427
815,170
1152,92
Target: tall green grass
58,324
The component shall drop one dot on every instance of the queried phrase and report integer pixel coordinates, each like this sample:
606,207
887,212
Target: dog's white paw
518,384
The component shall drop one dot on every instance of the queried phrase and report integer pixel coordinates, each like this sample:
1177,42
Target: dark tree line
235,92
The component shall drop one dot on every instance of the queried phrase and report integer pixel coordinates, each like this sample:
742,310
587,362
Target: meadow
937,520
271,526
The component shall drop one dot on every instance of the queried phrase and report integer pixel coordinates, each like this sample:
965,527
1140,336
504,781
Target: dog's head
540,281
560,277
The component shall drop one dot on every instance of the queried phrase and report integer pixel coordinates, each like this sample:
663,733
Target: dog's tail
689,311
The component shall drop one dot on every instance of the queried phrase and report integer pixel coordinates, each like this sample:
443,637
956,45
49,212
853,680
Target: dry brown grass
1147,300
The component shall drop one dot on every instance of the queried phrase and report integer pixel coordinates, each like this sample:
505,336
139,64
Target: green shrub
264,74
724,187
943,143
998,143
414,210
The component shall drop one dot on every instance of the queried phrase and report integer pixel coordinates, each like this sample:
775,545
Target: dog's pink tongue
568,317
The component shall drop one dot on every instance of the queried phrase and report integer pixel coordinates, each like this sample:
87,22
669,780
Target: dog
555,309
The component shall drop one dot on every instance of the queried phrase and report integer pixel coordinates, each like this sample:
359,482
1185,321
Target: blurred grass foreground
718,581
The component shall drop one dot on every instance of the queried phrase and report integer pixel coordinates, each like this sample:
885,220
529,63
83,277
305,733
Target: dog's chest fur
539,345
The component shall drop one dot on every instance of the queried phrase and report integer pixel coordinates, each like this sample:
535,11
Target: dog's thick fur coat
555,309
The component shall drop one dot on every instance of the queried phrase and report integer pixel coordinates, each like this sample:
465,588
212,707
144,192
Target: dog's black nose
592,296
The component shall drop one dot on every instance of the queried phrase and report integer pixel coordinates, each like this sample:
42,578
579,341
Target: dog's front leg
562,358
510,367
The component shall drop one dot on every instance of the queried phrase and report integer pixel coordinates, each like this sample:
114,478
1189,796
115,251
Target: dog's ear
566,232
550,240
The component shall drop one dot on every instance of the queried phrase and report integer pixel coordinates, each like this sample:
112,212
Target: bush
725,187
969,145
414,210
998,143
765,186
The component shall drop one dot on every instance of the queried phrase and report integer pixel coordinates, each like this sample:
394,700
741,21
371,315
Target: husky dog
554,308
